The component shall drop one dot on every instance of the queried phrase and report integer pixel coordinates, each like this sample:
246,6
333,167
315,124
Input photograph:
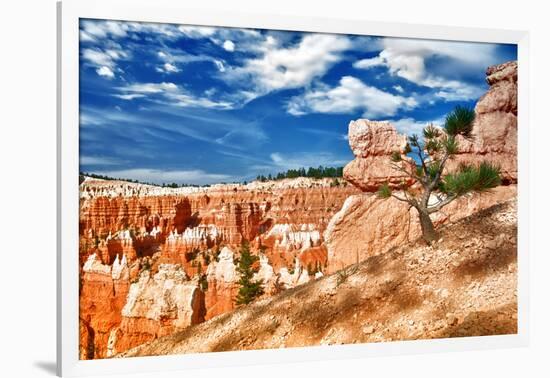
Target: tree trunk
428,231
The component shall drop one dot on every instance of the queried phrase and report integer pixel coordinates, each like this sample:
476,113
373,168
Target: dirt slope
463,286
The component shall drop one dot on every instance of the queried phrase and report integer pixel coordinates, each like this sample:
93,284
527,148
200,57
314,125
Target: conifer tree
249,289
436,188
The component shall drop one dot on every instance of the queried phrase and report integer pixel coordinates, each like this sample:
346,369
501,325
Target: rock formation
102,297
372,143
156,305
127,227
495,128
367,225
222,280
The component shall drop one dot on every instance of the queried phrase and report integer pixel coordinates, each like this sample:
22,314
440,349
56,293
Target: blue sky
200,105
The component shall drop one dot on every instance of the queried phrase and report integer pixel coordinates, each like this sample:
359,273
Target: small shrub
343,275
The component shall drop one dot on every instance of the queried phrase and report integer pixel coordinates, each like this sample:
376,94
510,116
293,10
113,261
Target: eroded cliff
139,242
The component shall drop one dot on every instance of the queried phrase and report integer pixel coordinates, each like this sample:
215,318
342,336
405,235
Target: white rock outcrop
166,295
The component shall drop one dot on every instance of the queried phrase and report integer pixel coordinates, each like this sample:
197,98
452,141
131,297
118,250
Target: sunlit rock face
103,291
156,305
494,134
118,313
222,280
367,225
372,143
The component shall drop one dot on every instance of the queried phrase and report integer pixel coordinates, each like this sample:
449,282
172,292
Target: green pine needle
384,191
468,178
460,121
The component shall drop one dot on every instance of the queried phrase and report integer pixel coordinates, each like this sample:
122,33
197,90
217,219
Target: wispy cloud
159,176
407,59
104,61
197,31
92,30
170,93
99,160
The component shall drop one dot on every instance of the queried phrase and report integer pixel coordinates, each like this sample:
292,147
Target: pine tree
249,289
433,152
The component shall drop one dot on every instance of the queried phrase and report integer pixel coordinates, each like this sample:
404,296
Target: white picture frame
165,11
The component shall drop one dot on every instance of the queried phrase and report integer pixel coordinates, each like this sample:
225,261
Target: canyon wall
154,260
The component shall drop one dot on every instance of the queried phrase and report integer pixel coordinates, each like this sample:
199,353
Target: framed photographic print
239,187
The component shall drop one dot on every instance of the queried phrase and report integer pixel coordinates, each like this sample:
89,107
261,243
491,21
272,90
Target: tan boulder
367,225
372,143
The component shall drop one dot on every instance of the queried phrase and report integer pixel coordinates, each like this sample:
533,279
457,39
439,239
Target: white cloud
86,119
103,60
98,57
197,31
158,176
86,37
105,71
219,65
289,67
168,68
368,63
98,160
147,88
170,93
188,100
94,29
453,90
350,95
229,45
130,96
248,39
406,58
173,57
398,88
411,126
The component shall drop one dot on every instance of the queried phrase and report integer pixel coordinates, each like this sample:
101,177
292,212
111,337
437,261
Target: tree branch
422,159
439,171
442,203
400,199
411,201
409,173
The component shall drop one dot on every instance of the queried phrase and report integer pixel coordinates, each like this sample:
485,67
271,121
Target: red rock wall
101,303
167,227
